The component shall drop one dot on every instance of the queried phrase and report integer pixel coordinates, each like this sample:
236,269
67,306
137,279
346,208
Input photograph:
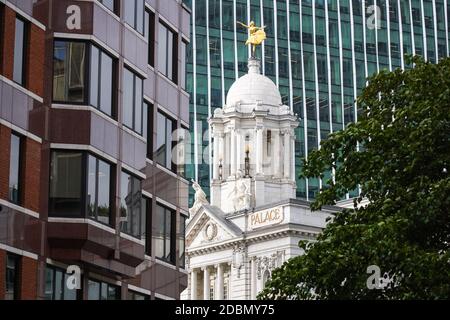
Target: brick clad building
91,93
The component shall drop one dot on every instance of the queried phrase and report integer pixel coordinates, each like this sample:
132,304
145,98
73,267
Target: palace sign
266,218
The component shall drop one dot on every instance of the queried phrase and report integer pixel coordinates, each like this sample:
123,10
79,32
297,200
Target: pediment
209,227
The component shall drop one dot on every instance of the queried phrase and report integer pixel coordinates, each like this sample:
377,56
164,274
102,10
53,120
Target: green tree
398,154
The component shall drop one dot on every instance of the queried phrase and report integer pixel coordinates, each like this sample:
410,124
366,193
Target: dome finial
254,65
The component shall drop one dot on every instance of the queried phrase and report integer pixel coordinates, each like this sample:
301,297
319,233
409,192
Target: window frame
84,186
115,10
108,285
172,167
149,34
135,20
111,189
142,224
150,124
25,37
148,224
133,294
135,77
54,271
173,234
88,72
16,281
174,61
20,169
181,236
87,77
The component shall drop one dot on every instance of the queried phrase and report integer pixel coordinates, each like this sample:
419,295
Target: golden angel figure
257,35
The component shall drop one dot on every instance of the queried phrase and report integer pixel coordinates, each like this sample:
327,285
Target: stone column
216,157
287,154
233,151
276,160
220,282
293,155
239,150
259,150
221,151
253,279
193,284
206,283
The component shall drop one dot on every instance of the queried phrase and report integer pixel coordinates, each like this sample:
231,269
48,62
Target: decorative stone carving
269,263
241,193
239,253
210,231
200,198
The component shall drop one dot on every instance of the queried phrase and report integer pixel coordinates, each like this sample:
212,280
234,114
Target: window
147,204
132,206
73,172
72,64
147,131
138,296
69,72
101,81
56,285
20,51
15,169
164,141
99,190
162,230
181,241
167,52
12,277
134,14
102,291
149,33
211,289
225,290
110,4
132,101
183,65
65,184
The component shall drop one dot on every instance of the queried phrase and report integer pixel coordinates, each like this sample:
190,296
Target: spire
254,66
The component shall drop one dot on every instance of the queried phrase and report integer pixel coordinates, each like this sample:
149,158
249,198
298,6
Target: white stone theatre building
253,223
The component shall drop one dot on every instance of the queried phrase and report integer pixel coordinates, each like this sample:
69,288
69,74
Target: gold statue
257,35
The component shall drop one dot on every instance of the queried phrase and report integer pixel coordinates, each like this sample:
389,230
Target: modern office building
318,53
91,203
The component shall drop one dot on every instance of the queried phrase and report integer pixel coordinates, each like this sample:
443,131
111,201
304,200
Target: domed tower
253,145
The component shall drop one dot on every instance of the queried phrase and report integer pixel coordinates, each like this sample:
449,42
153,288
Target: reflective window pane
91,186
130,205
162,233
128,98
68,72
12,277
65,184
104,192
14,170
94,79
106,89
19,51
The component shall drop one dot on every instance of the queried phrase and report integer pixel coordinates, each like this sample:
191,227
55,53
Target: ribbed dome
254,87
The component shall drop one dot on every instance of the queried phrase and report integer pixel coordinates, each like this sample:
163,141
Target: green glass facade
318,52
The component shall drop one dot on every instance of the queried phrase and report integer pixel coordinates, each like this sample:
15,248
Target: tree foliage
398,154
